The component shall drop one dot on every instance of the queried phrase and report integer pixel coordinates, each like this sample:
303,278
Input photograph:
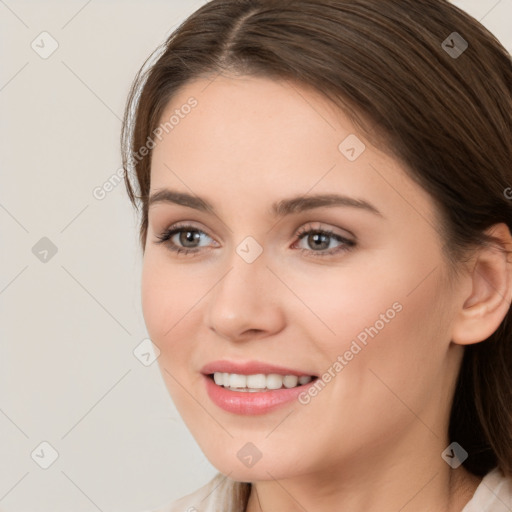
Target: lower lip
249,403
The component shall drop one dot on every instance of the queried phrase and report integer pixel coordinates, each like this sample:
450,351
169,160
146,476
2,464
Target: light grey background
69,326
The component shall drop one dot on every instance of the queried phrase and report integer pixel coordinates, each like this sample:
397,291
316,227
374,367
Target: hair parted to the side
382,62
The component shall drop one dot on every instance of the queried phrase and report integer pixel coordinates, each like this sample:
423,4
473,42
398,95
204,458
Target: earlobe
483,310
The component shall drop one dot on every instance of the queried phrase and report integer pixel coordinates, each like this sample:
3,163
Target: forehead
250,138
254,119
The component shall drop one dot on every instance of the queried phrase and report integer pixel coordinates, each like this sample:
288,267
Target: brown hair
389,64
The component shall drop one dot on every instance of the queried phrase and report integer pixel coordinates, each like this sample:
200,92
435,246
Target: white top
494,494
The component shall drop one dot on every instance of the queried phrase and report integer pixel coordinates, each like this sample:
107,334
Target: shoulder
494,494
215,495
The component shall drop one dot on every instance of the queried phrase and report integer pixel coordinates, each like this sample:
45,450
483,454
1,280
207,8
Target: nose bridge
243,281
244,298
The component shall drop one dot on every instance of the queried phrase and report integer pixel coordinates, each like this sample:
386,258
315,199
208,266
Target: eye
187,236
184,239
320,240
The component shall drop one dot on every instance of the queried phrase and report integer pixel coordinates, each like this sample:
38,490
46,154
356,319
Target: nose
245,303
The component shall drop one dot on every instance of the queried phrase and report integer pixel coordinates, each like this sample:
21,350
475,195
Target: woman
325,222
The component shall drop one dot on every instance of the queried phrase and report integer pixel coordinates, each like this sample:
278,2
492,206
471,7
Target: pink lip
247,403
250,368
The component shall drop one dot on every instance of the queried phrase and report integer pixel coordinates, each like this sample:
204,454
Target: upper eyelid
308,226
181,225
299,233
177,228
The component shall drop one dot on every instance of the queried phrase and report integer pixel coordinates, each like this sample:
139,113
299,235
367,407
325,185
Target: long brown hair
439,102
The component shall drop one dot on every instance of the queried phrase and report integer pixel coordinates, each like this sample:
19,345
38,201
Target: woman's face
369,305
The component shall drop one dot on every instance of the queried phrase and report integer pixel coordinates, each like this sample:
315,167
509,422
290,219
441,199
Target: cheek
387,315
154,299
336,304
402,340
386,361
166,303
171,297
166,296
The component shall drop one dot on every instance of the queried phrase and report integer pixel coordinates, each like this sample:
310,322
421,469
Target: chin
268,467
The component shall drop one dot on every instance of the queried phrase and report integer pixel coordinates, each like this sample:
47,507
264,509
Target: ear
490,282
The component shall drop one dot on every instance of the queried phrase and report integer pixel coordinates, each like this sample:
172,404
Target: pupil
188,236
317,238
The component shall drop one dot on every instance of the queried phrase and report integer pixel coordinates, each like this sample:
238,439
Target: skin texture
372,439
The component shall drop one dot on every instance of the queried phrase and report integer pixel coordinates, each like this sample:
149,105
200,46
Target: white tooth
274,381
290,381
258,381
237,381
304,379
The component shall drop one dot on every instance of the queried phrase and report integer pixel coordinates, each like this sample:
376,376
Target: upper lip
250,368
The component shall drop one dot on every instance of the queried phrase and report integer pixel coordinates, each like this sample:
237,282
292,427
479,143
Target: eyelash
165,237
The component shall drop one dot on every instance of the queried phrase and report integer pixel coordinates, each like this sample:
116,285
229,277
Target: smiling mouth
259,382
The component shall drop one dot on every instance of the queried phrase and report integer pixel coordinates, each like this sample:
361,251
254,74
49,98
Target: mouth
254,387
255,393
259,382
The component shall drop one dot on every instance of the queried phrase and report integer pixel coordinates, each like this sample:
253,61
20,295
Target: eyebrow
279,209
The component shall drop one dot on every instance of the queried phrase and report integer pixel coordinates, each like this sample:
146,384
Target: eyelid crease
347,244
